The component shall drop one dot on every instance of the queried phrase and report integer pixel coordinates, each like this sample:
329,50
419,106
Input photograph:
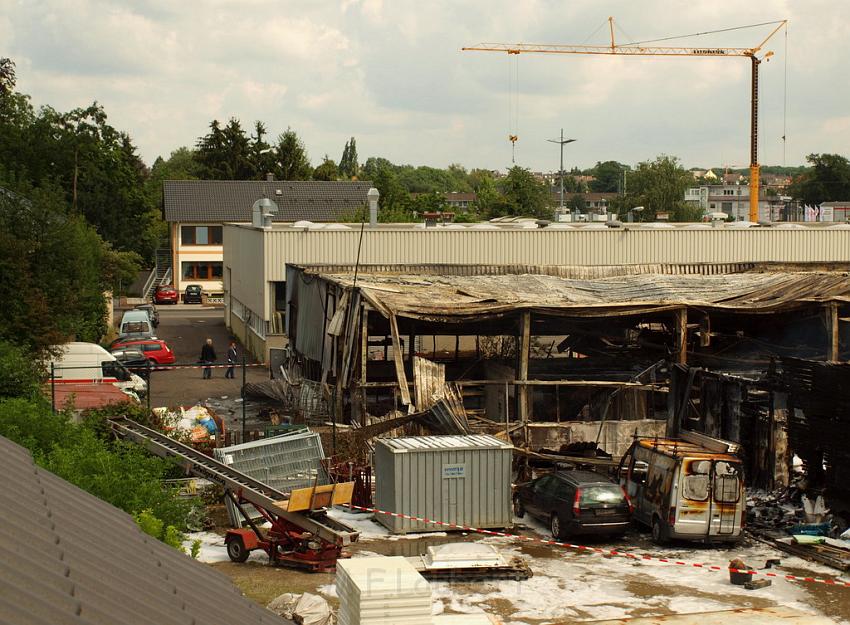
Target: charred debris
571,363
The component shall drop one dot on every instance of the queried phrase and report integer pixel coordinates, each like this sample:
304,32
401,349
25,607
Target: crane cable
707,32
785,100
513,103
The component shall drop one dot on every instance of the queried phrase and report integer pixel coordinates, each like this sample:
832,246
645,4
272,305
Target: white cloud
392,74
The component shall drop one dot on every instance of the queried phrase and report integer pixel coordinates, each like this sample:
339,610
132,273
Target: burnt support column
364,361
680,335
832,331
522,371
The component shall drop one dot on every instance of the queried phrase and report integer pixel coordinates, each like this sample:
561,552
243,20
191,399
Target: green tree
20,373
7,76
658,186
326,171
576,202
349,168
608,177
292,160
53,266
261,153
225,153
828,180
523,195
428,203
486,194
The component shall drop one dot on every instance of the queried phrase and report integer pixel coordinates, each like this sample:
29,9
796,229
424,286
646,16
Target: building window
201,235
727,207
203,270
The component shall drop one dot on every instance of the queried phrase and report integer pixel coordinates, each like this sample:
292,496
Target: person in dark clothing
231,360
208,357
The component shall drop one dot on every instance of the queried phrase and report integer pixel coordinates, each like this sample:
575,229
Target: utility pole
561,142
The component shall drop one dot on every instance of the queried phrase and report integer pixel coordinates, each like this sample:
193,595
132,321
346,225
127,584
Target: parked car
154,350
575,502
136,324
165,294
133,360
193,294
690,488
152,312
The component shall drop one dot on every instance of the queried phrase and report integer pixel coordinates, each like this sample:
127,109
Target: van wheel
660,536
519,509
555,527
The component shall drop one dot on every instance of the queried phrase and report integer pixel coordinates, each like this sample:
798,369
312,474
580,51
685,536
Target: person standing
208,357
231,360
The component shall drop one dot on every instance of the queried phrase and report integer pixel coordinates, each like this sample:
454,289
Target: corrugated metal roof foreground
425,443
68,557
231,200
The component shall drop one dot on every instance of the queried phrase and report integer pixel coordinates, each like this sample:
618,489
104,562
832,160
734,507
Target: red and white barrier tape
608,552
175,367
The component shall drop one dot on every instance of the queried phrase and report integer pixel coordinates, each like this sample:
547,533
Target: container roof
428,443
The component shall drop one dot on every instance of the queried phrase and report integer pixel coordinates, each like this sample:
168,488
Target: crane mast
654,50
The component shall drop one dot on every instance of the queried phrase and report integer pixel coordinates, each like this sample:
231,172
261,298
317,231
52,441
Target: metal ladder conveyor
246,488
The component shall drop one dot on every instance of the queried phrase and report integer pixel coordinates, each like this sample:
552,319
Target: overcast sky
391,73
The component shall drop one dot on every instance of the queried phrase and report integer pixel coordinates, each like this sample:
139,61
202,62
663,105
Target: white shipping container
464,480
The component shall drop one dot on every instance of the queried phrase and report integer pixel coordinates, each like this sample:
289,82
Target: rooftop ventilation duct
372,195
263,211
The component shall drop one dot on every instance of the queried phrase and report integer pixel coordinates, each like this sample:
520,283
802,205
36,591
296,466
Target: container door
693,512
726,491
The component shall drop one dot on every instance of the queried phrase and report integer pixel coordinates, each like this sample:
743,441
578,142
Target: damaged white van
688,488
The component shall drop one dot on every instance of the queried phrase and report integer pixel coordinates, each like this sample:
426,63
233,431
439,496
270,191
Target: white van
88,363
687,488
136,324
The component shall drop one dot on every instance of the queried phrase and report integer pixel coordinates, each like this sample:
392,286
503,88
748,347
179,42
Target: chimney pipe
373,196
269,177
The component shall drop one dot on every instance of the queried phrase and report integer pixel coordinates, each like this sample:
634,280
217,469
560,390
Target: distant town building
734,200
593,202
460,201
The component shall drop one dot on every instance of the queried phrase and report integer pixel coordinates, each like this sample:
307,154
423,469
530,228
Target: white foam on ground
213,549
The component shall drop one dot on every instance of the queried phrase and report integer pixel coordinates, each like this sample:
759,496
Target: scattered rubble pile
795,523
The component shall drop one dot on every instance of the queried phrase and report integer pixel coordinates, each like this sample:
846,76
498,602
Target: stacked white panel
382,591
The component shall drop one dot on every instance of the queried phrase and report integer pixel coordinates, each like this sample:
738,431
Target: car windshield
601,494
135,326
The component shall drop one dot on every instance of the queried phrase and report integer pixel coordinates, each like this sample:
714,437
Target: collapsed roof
460,294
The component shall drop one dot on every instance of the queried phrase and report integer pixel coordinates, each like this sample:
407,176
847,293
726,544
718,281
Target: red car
165,294
154,350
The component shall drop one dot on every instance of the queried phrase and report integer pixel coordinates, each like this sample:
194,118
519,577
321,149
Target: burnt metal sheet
429,382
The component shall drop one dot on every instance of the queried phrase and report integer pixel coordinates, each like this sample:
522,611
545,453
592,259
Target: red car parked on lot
154,350
165,294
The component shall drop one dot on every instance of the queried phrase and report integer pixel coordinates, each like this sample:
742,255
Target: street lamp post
561,142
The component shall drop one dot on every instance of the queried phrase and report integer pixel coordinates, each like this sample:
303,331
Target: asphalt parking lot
185,328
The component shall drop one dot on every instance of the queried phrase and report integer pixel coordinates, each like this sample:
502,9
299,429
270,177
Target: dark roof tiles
68,557
213,201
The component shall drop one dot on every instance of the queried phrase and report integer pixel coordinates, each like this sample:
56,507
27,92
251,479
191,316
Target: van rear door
727,505
693,509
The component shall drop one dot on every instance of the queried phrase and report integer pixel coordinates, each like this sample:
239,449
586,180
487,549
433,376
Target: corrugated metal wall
519,246
413,483
243,254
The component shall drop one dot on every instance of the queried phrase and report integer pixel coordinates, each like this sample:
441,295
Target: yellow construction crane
640,49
